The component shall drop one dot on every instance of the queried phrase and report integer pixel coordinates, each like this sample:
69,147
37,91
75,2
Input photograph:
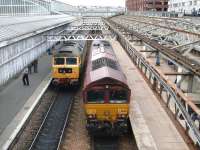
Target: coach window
118,96
71,61
59,61
95,96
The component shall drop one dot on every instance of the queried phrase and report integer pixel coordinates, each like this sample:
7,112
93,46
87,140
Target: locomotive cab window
95,96
118,96
71,61
59,61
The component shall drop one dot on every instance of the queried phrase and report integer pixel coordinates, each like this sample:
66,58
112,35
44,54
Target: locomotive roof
102,63
69,49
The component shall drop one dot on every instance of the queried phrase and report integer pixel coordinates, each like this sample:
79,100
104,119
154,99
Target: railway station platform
16,100
152,128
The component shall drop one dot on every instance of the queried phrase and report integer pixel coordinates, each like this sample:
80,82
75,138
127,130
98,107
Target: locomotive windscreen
95,96
59,61
71,61
118,96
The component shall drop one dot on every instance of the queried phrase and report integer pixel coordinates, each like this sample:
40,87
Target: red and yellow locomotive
106,93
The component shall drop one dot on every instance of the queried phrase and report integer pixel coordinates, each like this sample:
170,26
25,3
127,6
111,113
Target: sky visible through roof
112,3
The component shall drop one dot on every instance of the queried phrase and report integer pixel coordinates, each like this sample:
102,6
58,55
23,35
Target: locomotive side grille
101,62
64,70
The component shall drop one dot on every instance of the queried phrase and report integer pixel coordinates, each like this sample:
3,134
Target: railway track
125,142
122,142
105,143
30,128
50,133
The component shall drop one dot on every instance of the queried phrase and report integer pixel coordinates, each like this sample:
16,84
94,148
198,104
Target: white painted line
12,130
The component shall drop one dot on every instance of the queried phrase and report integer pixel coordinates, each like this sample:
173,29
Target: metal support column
190,84
157,59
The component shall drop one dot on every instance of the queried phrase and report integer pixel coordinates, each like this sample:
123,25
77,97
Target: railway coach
106,94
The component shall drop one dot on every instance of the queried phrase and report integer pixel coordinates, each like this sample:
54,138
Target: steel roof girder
88,27
163,25
69,37
188,44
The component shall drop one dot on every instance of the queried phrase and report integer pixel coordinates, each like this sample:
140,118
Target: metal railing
175,100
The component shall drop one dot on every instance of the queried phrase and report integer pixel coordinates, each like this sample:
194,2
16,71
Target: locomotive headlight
121,115
91,116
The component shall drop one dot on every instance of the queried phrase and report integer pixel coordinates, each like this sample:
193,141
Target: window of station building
183,3
71,61
59,61
95,96
118,96
195,2
190,3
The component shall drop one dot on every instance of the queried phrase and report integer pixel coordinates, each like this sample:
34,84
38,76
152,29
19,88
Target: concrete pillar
196,83
178,84
190,84
179,78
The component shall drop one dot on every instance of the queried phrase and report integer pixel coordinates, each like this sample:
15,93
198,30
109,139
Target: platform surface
14,95
154,118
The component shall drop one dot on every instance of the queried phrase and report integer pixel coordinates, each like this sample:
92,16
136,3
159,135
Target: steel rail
65,125
173,93
187,63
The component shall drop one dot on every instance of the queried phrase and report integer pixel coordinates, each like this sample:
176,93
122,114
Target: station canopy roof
14,27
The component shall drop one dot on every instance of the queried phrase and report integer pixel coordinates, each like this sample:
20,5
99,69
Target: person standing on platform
30,68
25,78
35,66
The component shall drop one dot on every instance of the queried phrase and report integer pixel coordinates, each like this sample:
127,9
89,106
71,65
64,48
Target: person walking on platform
25,78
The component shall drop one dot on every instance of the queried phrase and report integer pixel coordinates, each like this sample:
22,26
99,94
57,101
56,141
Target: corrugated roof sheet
12,27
